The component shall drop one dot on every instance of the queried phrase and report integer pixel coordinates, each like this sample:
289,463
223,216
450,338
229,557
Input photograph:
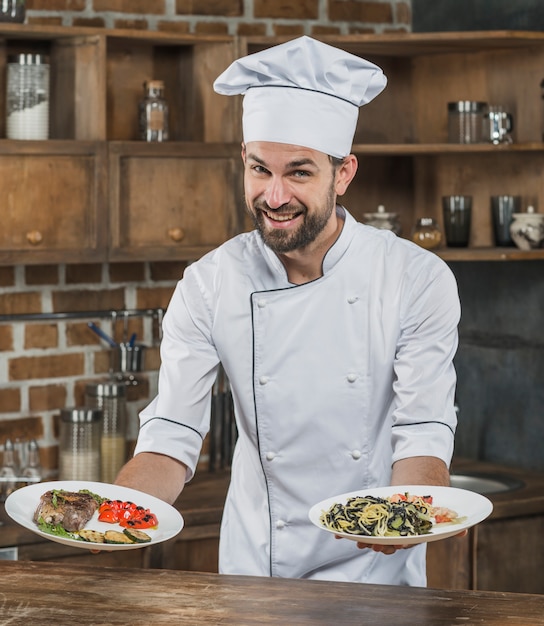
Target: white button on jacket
356,365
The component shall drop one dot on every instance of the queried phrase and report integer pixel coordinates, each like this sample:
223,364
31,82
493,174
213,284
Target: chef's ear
345,173
243,152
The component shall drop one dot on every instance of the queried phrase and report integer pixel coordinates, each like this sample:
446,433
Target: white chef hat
302,92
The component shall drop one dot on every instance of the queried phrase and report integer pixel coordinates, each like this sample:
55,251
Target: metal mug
498,125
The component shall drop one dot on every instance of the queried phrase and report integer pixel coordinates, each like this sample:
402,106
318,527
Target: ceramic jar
384,220
527,229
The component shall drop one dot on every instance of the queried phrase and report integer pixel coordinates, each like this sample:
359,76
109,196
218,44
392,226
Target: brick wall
45,365
233,17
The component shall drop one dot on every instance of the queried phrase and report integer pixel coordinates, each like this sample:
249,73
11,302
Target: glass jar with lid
426,233
27,108
153,110
383,219
79,444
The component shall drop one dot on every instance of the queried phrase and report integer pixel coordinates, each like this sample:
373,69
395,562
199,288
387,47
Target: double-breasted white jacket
333,381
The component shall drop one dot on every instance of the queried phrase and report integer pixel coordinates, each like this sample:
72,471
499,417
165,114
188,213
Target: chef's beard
281,240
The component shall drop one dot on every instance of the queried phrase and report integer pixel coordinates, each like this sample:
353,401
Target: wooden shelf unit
405,162
122,199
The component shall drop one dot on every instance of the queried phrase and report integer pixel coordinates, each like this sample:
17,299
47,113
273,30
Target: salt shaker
110,398
8,472
79,444
27,107
32,471
153,111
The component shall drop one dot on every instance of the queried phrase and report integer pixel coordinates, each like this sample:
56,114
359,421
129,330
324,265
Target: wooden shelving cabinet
405,162
94,191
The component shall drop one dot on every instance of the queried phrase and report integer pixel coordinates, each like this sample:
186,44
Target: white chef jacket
332,381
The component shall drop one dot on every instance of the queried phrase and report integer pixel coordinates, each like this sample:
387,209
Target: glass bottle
12,11
426,233
110,397
8,472
79,445
32,471
153,111
27,110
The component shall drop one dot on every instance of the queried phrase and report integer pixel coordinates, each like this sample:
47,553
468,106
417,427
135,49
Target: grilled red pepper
126,514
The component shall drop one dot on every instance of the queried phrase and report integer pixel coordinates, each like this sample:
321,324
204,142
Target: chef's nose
277,193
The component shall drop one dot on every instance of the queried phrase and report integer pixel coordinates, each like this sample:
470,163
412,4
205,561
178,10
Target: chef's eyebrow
291,165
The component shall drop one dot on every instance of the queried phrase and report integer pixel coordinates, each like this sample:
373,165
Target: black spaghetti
380,517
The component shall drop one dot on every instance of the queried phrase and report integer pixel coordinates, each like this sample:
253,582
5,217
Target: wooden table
50,593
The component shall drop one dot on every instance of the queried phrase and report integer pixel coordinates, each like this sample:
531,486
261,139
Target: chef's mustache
262,205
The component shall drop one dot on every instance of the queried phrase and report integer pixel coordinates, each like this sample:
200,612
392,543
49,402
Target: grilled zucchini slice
114,536
94,536
137,536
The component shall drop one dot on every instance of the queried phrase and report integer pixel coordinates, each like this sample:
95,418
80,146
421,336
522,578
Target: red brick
285,9
47,397
85,273
225,8
354,11
79,334
126,272
122,332
15,303
152,359
291,30
103,361
84,300
41,336
211,28
10,400
55,5
168,270
6,337
403,13
131,24
49,457
151,7
248,30
54,366
154,297
325,30
7,276
24,428
44,21
181,28
89,22
42,274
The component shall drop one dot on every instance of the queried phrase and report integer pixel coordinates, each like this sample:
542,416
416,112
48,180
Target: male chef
337,338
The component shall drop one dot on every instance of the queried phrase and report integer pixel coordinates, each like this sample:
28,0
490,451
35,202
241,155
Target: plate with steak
93,515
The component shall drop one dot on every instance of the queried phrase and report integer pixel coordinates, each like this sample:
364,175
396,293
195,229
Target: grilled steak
71,510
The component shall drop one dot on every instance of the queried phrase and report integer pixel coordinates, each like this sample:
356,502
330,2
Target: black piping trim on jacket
427,422
165,419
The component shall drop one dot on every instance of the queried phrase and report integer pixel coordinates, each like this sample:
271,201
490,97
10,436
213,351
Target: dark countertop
90,595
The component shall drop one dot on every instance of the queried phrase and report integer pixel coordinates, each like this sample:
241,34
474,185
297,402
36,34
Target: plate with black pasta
401,514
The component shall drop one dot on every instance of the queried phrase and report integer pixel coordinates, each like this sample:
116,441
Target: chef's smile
278,219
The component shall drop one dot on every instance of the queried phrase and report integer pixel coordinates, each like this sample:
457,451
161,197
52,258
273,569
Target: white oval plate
22,503
470,506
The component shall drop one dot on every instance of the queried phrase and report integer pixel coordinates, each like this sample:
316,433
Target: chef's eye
259,169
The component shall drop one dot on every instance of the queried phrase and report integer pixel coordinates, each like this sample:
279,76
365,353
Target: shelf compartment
52,197
172,202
